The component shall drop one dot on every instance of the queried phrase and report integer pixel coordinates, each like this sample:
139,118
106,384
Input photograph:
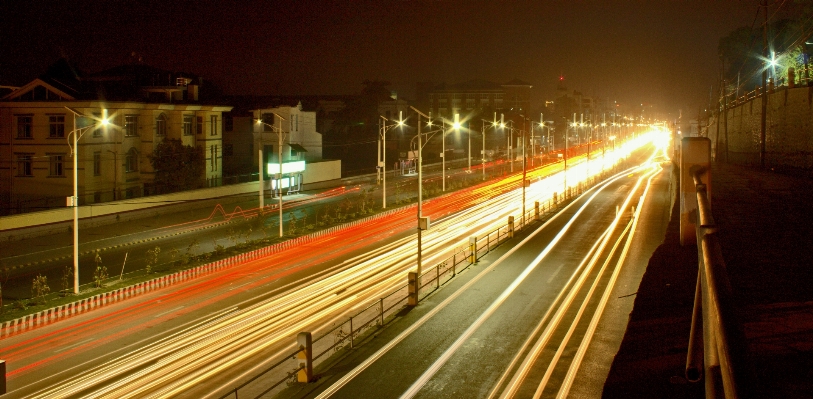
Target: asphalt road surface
542,319
201,336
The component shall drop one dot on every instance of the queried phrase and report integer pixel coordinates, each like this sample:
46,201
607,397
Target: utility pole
764,87
725,116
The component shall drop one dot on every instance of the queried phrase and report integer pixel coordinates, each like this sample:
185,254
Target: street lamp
280,134
423,223
483,152
77,133
383,163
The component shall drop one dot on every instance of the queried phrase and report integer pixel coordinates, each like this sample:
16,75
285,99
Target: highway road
187,340
542,319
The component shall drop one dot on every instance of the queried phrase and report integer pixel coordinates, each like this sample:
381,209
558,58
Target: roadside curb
48,316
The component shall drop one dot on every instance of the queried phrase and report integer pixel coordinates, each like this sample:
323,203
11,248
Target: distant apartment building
144,106
477,97
253,128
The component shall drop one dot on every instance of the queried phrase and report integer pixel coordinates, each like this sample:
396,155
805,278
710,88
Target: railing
717,347
347,333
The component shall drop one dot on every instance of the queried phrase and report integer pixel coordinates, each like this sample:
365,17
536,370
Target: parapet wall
789,130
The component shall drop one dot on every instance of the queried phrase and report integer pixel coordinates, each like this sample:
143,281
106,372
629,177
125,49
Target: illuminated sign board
287,167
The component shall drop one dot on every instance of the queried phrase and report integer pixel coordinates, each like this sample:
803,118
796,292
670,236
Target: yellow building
143,106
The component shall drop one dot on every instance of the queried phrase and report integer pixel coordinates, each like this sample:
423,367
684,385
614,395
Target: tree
39,288
177,167
101,272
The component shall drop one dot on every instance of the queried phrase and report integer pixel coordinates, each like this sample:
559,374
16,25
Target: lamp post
483,152
456,126
77,133
280,134
383,163
423,223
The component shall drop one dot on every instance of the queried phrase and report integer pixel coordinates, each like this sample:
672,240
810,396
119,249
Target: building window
24,165
187,125
97,197
56,126
199,125
161,125
213,153
228,150
56,167
25,126
131,161
97,163
131,125
214,125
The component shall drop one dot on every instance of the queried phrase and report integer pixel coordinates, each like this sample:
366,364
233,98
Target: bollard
536,210
413,281
472,249
304,357
510,227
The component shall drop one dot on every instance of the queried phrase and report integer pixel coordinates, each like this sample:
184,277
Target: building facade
38,122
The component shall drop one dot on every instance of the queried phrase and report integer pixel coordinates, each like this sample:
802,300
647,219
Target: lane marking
74,345
168,311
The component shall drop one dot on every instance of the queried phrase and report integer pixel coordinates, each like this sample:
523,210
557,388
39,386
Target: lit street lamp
77,133
423,223
280,134
382,164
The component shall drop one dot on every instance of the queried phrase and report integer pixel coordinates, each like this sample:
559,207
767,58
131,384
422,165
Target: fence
717,347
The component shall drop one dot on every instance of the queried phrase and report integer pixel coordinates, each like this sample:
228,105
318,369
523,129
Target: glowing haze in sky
660,52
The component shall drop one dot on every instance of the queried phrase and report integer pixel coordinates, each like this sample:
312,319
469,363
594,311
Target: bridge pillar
304,357
695,155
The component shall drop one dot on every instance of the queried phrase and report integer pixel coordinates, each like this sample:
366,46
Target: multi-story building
143,105
479,97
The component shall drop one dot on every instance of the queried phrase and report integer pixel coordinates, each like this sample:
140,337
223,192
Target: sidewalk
766,234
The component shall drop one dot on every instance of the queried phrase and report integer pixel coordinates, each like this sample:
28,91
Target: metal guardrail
717,346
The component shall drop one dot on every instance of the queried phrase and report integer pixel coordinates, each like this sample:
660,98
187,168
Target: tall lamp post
383,163
280,134
456,127
483,152
423,223
77,133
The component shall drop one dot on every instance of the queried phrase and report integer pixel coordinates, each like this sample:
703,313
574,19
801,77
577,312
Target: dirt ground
765,223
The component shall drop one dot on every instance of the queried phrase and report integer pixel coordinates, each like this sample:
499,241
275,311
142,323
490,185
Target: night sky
660,52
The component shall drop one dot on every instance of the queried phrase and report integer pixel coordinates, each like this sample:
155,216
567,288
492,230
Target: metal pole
260,167
484,151
75,203
443,154
279,177
523,171
378,158
384,164
420,206
510,147
468,130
